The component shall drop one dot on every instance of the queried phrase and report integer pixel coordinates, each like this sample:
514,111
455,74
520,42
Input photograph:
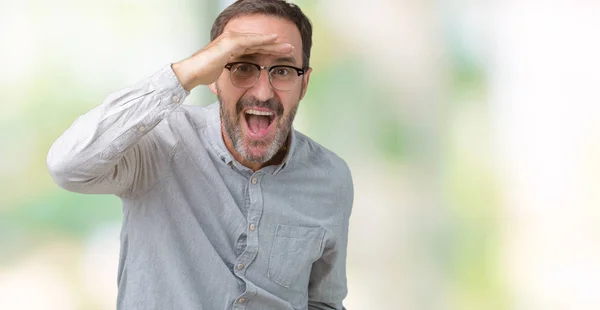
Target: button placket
255,205
249,253
255,178
255,209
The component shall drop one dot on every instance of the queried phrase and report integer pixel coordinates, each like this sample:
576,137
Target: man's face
257,120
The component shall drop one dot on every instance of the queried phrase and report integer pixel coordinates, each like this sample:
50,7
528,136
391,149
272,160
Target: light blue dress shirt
201,231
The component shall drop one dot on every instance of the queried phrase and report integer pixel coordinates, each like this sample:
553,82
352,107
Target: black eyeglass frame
228,66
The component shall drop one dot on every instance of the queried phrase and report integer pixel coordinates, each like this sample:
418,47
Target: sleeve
112,149
327,286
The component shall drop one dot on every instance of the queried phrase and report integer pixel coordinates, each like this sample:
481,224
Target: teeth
256,112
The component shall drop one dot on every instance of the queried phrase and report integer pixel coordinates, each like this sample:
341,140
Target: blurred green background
471,129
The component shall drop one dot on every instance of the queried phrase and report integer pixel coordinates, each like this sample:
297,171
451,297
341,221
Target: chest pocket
294,250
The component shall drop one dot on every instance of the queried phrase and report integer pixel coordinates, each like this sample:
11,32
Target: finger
278,48
263,52
254,40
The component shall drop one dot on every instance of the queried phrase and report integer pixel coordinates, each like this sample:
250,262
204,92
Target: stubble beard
232,124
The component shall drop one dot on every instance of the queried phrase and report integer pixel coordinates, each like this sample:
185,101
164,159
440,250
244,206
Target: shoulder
184,121
189,119
326,163
312,153
197,116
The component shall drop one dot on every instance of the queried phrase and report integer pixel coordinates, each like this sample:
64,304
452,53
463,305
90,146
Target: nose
262,90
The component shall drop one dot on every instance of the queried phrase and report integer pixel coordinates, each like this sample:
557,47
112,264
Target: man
225,206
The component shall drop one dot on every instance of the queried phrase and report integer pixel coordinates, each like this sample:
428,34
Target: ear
213,88
306,78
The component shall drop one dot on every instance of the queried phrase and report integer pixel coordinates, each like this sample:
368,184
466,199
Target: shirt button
142,128
163,114
252,227
176,98
254,180
241,300
240,266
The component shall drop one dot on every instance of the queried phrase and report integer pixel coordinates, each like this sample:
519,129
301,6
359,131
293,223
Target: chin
261,153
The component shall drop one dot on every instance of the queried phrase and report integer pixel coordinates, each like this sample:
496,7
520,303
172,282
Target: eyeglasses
245,75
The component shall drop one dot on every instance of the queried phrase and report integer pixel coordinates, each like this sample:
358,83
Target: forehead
286,30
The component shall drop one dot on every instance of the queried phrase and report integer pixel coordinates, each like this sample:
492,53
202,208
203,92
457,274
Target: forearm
86,153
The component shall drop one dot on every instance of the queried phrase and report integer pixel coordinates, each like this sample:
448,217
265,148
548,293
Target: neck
254,166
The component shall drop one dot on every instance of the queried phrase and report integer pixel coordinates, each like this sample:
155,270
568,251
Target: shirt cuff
168,87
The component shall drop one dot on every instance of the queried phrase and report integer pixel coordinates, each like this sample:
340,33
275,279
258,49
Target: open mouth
258,121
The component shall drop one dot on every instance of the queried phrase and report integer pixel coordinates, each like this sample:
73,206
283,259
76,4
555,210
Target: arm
112,149
327,286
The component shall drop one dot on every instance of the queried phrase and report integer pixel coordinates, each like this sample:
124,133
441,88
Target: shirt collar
216,141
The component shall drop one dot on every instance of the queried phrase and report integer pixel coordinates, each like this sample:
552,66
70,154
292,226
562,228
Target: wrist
185,78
